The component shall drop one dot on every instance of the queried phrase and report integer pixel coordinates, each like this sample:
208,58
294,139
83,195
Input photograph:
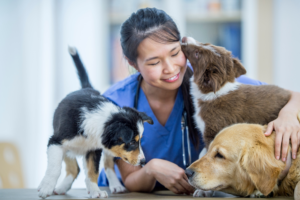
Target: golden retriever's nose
189,173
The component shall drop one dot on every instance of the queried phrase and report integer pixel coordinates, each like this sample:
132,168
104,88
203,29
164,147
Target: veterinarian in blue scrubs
151,43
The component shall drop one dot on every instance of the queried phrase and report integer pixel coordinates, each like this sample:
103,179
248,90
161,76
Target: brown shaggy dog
248,167
219,100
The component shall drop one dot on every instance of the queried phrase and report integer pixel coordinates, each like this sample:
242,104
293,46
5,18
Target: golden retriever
241,161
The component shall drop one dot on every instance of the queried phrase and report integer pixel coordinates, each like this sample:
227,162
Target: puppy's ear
126,135
238,68
260,164
146,118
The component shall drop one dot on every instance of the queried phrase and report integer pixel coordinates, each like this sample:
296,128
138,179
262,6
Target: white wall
37,71
286,44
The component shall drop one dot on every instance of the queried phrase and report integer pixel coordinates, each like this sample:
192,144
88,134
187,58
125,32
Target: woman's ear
132,64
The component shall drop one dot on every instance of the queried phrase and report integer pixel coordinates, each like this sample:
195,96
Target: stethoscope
184,127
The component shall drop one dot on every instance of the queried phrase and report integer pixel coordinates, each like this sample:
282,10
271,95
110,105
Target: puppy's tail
82,74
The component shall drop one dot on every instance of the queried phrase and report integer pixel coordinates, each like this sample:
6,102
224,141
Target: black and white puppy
86,123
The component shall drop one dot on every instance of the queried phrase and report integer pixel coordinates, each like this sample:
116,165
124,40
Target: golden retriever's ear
238,68
260,164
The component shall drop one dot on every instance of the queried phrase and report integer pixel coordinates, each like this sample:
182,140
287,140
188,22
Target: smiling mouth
172,79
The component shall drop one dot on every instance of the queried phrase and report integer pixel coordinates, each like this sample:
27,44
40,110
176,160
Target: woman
151,43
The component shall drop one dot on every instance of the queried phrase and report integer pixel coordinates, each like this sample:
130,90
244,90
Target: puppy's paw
202,193
65,186
45,190
97,193
117,189
60,191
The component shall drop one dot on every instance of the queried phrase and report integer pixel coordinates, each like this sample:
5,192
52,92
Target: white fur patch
65,185
93,125
92,187
197,94
228,87
93,121
55,156
208,47
114,184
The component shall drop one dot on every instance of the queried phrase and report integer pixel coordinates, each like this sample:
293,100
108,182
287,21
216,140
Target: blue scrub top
163,142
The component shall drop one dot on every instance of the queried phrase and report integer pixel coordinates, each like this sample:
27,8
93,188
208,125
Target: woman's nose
169,68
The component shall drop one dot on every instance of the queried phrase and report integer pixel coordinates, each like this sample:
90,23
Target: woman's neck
161,101
158,94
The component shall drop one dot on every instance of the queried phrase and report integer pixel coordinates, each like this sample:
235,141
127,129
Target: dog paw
117,189
60,191
256,194
65,186
45,190
202,193
98,194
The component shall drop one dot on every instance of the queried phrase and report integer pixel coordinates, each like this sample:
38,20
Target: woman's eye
154,63
218,155
175,54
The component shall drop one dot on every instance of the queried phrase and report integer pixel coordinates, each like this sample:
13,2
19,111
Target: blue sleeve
246,80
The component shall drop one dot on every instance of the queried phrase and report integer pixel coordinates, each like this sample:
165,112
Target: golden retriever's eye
215,71
218,155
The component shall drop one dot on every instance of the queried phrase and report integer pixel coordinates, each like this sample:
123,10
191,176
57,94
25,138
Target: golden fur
130,156
241,161
71,166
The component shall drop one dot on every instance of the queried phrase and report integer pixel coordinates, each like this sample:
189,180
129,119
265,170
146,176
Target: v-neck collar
143,105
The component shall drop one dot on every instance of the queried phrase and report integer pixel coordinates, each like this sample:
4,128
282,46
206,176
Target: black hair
160,27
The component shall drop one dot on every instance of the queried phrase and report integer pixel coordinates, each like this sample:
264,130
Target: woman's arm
137,179
287,127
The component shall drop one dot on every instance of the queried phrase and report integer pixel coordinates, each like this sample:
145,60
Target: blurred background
37,71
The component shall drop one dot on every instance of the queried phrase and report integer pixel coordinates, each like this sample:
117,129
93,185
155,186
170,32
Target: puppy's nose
143,162
189,173
184,40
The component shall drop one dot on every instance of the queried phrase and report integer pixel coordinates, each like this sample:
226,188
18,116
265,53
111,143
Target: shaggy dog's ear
261,166
238,68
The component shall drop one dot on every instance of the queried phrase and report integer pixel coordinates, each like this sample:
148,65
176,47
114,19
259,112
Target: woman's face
161,65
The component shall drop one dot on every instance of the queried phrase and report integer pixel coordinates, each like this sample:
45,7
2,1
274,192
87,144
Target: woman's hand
287,128
170,175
